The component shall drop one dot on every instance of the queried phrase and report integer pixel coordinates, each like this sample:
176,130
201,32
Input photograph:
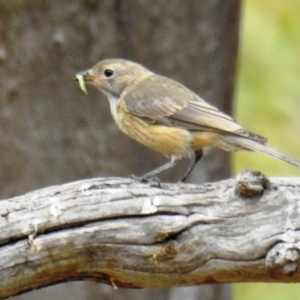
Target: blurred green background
267,101
268,82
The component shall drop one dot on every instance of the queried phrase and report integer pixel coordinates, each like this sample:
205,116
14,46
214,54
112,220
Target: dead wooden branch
131,234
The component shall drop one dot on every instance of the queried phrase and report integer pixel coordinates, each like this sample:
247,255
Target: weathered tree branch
131,234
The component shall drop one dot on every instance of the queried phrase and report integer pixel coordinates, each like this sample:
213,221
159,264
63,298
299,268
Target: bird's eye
108,73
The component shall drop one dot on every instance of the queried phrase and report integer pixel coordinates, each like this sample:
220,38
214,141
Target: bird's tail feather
238,143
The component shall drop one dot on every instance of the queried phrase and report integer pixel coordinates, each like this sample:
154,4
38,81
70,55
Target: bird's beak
87,76
84,77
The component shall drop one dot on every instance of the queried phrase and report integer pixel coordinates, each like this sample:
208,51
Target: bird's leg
156,171
198,156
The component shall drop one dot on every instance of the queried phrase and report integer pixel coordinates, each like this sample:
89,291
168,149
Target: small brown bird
164,115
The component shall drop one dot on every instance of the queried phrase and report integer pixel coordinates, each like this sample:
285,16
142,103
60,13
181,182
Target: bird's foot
182,180
153,181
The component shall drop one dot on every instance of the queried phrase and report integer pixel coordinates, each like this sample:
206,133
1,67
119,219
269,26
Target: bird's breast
170,141
113,102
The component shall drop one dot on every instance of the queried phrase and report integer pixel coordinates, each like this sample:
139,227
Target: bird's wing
160,100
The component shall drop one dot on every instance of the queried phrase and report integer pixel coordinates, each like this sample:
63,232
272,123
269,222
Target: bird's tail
239,143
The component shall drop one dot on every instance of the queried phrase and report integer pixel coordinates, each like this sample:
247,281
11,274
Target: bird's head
113,76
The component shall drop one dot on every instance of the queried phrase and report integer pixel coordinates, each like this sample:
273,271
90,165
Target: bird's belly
169,141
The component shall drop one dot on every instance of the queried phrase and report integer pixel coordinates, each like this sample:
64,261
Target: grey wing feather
151,99
199,112
160,100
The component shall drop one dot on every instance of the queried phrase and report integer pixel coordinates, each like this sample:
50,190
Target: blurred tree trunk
51,133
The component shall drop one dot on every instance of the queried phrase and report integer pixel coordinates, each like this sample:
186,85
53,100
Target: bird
166,116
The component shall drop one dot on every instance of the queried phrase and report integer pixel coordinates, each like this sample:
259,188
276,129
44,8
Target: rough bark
130,234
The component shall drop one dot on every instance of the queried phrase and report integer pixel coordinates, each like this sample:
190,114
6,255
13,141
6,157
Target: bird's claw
150,180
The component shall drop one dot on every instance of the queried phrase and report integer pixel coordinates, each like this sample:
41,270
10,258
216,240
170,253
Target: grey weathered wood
131,234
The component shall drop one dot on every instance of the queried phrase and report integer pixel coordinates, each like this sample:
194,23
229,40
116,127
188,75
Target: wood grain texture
130,234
